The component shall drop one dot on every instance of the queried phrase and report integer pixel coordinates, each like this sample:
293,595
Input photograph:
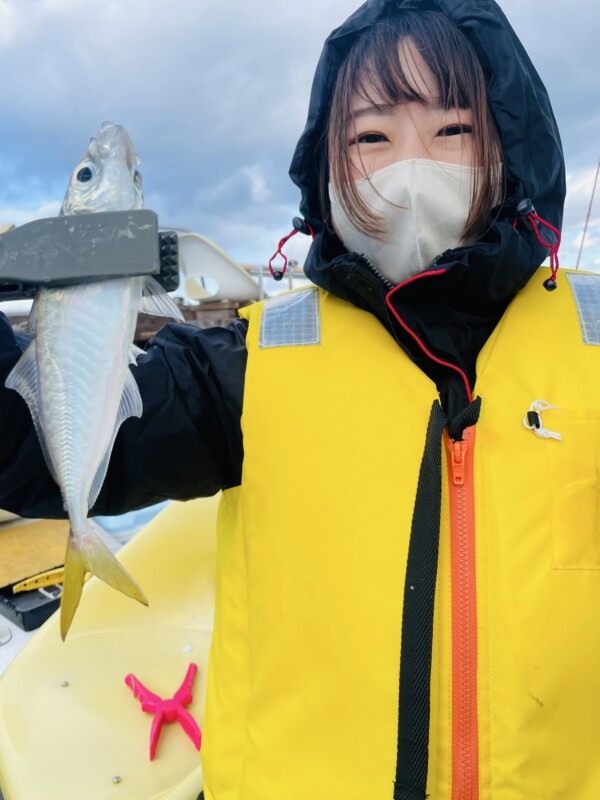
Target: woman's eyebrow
383,109
387,109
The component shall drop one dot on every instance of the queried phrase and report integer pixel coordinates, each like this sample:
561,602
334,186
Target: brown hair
374,71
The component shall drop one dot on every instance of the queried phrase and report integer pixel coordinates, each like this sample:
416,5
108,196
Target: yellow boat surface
69,726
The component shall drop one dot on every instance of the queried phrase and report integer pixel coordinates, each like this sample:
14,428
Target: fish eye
84,175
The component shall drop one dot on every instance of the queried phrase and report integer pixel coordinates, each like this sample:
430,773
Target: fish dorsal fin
33,315
156,301
131,406
134,352
23,379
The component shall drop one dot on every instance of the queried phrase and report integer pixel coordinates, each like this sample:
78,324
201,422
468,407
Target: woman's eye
370,138
455,130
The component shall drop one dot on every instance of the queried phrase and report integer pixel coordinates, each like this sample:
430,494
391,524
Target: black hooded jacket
188,442
454,313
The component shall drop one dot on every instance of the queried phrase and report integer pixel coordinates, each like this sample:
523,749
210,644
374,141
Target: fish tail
87,553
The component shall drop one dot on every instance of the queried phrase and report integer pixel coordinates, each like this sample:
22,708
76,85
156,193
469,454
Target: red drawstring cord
526,212
535,220
280,272
428,353
552,246
300,226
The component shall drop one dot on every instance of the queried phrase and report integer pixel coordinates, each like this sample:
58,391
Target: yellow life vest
312,549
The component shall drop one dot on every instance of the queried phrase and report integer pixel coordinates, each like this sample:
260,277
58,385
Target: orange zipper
465,742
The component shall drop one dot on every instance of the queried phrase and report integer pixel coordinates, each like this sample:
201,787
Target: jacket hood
454,311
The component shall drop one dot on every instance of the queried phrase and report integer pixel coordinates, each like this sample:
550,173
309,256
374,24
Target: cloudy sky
214,94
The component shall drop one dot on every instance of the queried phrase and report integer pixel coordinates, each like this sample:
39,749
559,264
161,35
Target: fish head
107,178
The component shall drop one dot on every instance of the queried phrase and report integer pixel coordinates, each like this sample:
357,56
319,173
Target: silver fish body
83,344
75,374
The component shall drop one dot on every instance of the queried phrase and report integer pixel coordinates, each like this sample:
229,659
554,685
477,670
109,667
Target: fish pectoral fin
155,300
33,314
23,379
131,406
131,401
87,553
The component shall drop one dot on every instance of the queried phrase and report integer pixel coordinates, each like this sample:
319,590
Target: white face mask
424,204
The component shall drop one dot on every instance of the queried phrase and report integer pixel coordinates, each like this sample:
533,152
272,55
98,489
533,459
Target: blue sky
214,94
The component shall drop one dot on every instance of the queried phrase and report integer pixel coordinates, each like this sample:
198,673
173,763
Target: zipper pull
457,452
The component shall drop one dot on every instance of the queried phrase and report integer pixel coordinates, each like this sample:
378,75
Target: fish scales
80,386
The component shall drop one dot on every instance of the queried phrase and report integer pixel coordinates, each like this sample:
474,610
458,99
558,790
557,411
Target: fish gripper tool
83,248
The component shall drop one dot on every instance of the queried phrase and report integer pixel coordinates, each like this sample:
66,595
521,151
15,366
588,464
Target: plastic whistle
533,420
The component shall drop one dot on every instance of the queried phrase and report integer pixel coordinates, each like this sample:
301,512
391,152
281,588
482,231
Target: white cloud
7,22
580,184
21,215
590,241
259,190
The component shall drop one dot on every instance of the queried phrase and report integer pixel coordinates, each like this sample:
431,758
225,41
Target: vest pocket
574,467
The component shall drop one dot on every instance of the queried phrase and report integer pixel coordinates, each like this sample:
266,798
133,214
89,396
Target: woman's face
384,134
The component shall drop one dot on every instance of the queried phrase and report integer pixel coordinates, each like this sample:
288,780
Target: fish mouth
114,139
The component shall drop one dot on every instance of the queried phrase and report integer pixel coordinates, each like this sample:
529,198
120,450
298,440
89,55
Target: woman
381,631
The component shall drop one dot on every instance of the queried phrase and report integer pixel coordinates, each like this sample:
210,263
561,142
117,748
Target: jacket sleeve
188,442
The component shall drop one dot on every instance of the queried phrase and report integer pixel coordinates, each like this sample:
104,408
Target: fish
75,375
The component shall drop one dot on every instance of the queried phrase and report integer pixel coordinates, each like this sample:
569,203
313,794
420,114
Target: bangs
381,71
